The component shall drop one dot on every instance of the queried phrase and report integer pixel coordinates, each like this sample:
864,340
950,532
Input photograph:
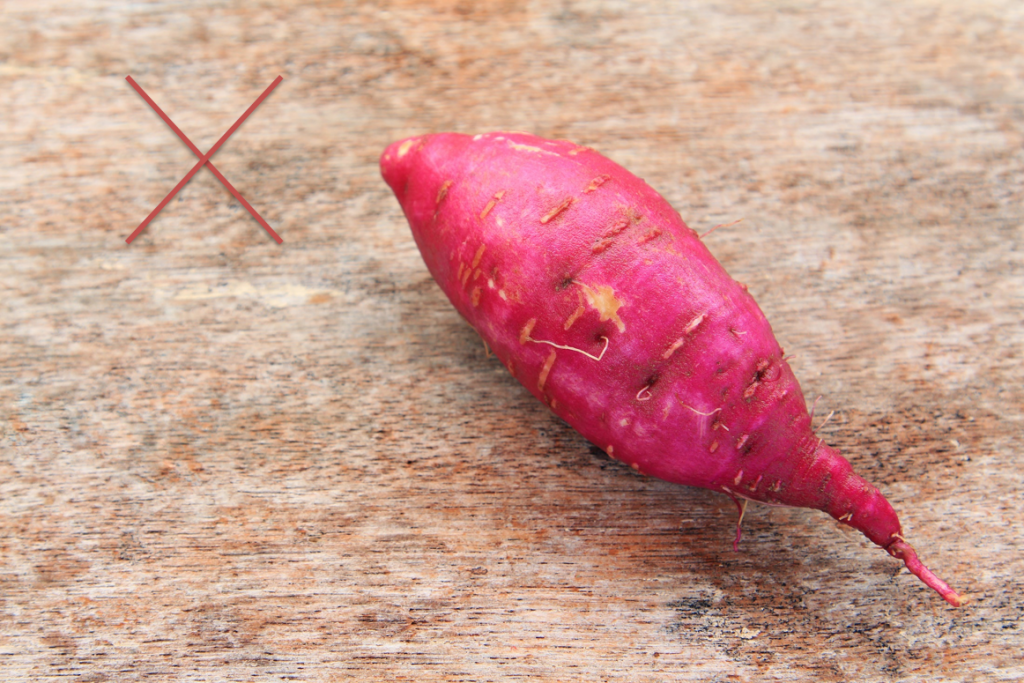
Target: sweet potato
596,296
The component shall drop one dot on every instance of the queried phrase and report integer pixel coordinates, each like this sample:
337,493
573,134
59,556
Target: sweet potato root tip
902,550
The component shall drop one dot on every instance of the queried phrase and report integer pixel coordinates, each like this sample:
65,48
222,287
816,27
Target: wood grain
224,459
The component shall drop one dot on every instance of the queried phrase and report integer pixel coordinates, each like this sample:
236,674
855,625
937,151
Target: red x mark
203,159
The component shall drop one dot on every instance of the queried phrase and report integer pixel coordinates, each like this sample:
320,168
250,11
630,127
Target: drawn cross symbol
204,159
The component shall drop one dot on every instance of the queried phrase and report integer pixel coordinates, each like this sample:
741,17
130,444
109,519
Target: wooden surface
228,460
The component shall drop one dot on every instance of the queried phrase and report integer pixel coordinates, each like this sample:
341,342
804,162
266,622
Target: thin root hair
573,348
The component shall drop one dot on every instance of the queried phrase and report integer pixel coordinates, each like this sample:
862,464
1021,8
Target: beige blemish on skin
609,235
524,334
501,293
741,441
580,310
404,148
624,422
675,347
651,234
550,215
694,323
617,227
490,205
714,447
465,276
603,299
738,479
475,297
530,148
596,182
479,254
443,192
546,369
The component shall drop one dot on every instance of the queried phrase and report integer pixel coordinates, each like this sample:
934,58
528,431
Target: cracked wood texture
224,459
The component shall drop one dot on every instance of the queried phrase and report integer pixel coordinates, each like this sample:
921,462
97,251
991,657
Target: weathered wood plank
224,459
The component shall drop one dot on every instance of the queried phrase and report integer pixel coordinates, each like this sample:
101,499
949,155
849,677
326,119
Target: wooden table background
229,460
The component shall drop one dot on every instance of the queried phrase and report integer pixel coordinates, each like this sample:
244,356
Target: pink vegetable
608,308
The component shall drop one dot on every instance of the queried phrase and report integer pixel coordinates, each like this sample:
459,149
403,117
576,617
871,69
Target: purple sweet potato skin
600,300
